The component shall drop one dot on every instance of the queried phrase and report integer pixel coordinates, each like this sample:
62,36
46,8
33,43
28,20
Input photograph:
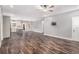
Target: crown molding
66,11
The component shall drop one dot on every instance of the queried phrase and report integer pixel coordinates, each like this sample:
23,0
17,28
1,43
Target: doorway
75,28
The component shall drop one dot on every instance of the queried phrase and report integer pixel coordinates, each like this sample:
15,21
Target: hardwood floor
36,43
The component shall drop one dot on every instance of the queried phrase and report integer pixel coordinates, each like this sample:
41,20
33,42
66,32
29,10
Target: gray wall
6,26
62,29
64,24
37,26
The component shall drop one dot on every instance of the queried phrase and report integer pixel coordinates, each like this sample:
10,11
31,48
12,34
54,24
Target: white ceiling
32,12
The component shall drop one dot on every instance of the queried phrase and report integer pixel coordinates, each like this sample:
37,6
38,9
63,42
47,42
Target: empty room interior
39,29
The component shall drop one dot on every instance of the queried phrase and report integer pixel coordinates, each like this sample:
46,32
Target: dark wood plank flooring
36,43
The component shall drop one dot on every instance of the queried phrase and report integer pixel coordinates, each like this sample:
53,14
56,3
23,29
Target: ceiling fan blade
51,6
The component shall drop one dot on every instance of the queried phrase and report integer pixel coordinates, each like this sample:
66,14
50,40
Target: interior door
75,28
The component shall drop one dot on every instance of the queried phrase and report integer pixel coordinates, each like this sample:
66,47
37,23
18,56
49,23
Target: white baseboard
37,31
61,37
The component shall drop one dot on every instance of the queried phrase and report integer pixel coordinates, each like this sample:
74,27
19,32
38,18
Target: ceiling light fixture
47,7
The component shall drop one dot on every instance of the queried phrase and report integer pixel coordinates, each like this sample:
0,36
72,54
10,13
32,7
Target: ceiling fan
47,7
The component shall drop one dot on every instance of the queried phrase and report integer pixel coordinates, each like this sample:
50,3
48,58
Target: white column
6,26
1,27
